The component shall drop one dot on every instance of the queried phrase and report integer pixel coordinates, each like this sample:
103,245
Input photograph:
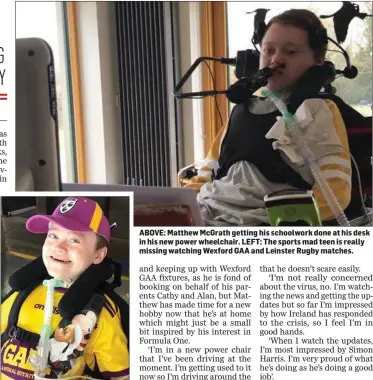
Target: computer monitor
37,155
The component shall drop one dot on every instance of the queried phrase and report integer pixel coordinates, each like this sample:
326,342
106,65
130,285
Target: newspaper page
7,97
205,303
252,304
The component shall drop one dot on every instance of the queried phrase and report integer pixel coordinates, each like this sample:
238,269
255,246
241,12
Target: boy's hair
100,242
306,20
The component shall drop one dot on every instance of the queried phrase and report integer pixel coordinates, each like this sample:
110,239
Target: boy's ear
100,255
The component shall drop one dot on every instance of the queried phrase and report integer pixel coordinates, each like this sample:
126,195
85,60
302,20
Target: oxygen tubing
294,131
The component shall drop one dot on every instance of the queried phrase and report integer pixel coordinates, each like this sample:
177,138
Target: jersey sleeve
336,168
109,344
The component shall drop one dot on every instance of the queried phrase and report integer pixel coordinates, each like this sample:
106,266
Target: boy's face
67,254
288,45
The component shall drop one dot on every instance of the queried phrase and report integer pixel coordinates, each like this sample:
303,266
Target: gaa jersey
94,337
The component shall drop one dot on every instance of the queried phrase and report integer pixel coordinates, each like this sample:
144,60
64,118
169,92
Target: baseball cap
75,214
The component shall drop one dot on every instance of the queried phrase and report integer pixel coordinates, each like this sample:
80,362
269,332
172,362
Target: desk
162,216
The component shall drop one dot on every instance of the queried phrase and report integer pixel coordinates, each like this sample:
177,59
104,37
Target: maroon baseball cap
75,214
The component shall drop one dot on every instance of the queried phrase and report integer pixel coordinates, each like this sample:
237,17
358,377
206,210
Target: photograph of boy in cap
88,337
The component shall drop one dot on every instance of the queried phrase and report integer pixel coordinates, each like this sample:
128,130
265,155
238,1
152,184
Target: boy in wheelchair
252,157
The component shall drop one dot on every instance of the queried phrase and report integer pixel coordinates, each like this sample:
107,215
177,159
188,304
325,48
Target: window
356,92
46,20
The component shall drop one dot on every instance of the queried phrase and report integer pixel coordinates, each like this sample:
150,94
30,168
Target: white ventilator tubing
294,132
40,361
